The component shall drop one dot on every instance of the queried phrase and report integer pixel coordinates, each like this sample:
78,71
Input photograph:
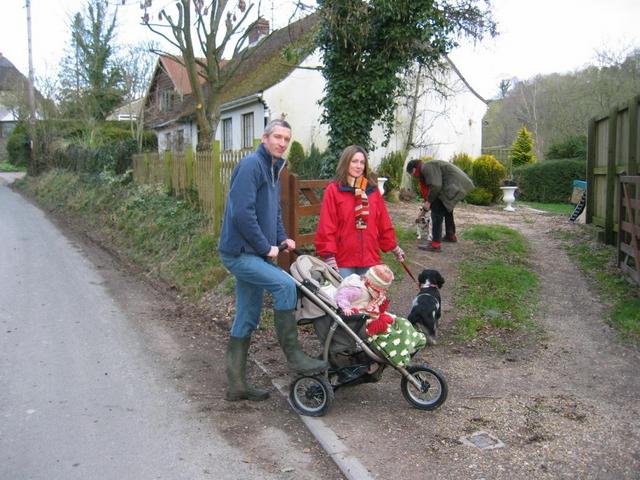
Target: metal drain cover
482,440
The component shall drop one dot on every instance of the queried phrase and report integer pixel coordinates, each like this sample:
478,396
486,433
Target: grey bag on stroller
323,281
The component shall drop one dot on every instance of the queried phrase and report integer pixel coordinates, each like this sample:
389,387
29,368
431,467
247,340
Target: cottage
14,90
268,86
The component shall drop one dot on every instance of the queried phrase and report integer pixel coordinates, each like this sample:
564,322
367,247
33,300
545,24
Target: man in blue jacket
252,230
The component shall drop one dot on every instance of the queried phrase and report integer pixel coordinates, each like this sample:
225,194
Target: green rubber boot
297,360
236,369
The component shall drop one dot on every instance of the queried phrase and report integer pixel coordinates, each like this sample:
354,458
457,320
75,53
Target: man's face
277,141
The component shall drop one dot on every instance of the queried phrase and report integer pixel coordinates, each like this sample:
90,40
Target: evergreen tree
90,78
522,149
366,47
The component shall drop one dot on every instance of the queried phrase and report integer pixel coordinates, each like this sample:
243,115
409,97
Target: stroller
352,360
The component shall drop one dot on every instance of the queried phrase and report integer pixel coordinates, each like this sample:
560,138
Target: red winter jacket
337,234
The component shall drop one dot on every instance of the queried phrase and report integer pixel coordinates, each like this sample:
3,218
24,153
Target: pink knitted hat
380,276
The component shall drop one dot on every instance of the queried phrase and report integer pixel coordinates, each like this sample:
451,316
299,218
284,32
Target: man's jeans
254,275
439,213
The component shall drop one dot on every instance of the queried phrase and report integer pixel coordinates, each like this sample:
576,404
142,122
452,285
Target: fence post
611,176
284,260
632,160
591,164
168,171
188,165
218,200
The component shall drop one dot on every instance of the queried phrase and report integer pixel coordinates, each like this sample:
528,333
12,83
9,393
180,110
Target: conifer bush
296,156
392,167
488,172
479,196
464,162
522,149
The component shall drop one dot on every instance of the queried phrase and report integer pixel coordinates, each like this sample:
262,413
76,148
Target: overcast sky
535,37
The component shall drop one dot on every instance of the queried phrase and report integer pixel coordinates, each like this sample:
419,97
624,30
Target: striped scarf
362,203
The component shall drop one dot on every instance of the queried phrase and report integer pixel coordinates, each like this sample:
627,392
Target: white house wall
235,114
190,133
297,98
458,131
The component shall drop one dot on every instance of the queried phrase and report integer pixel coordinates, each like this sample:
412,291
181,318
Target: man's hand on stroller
379,325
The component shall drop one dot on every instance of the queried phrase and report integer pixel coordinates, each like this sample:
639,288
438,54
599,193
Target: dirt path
565,405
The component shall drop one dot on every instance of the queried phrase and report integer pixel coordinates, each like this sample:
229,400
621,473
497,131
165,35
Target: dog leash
406,269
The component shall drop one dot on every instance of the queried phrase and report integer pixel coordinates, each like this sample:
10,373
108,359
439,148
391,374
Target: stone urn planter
381,182
509,196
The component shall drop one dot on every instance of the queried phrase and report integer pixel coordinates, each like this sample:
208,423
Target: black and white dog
423,225
426,307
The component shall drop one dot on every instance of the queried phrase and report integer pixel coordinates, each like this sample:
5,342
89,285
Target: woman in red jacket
354,223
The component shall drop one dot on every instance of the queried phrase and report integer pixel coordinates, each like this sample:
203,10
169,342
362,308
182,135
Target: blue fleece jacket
252,218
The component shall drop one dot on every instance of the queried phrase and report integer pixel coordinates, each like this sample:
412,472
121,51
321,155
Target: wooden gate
300,199
629,226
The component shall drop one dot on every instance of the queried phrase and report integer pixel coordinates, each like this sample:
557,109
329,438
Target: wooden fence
629,226
612,151
203,176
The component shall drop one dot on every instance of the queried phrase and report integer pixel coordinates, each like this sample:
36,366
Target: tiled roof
263,69
177,73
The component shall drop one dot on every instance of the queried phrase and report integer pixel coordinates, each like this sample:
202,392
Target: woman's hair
342,170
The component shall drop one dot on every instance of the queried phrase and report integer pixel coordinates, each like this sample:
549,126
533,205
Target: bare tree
203,34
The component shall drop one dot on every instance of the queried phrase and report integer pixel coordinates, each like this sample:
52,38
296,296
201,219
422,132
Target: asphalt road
81,396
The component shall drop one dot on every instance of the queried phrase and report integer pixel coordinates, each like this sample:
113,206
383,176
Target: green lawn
561,208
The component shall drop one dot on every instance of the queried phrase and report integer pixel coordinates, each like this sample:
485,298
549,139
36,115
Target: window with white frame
247,130
167,141
227,134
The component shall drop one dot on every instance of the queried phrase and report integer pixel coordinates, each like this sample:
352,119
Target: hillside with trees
557,107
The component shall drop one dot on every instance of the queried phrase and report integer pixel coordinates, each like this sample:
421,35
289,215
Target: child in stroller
358,336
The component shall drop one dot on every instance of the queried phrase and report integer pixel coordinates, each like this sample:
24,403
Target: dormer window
166,100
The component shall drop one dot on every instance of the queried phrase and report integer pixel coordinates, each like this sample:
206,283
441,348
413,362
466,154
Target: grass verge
561,208
167,236
598,262
497,290
9,167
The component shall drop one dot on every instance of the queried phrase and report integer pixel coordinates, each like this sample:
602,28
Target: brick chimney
259,30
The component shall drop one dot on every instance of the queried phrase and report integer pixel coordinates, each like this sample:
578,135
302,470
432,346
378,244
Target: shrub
464,162
296,156
392,167
479,196
487,172
522,149
309,166
572,147
551,181
18,145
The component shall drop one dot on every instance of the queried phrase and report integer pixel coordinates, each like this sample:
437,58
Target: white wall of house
445,127
296,97
170,133
235,112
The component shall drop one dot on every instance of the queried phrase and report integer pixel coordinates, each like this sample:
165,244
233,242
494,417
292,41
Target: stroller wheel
311,395
433,387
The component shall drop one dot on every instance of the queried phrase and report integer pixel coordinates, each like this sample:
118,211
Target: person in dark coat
442,185
252,231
